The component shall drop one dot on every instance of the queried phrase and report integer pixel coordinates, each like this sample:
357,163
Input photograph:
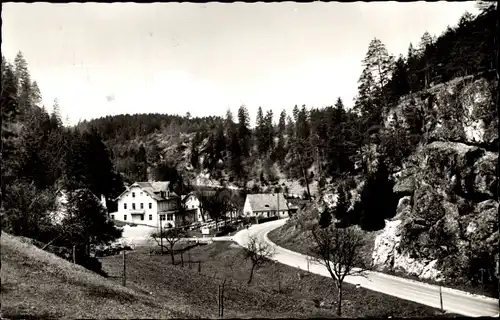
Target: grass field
276,291
38,284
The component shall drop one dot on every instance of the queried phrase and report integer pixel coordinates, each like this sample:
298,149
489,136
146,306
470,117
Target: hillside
37,284
445,225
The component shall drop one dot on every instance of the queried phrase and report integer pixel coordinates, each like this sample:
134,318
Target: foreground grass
277,290
38,284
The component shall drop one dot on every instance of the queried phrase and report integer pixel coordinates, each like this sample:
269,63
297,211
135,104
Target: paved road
453,300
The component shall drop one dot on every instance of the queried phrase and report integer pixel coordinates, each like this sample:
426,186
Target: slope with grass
38,284
277,290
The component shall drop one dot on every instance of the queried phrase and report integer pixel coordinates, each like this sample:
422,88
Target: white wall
192,202
140,197
247,209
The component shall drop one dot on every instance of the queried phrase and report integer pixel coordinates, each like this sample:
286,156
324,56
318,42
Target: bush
25,211
225,230
262,220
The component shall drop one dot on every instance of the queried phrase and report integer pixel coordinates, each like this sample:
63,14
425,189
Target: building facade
150,203
191,202
265,205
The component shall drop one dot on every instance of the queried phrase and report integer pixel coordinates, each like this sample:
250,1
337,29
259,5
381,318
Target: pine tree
290,132
295,113
55,116
244,134
372,98
269,130
280,148
36,95
229,123
342,205
400,84
366,98
412,62
426,43
10,113
379,63
260,132
23,81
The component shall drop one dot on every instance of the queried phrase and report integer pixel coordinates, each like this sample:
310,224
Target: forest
300,144
40,156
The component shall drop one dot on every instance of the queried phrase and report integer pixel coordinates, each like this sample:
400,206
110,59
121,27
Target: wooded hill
300,146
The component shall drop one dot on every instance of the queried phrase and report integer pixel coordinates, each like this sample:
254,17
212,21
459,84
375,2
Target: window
124,217
150,217
112,217
124,206
142,205
142,217
133,206
150,205
133,194
170,216
162,217
192,206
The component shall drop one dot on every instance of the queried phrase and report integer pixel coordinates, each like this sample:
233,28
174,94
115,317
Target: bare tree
258,253
172,236
340,251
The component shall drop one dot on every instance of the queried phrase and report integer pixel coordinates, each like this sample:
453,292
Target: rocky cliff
446,224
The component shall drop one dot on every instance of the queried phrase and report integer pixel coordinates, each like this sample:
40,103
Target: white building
265,205
191,202
150,203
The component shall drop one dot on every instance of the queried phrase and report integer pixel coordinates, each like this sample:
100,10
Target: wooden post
222,300
124,269
218,300
161,238
199,266
74,254
441,298
189,257
278,271
182,260
279,282
307,264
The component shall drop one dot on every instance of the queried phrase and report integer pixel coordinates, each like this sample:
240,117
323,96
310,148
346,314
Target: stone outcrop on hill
446,224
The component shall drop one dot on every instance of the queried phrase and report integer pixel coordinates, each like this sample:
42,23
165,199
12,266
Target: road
453,300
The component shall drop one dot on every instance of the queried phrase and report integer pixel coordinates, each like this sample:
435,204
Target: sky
102,59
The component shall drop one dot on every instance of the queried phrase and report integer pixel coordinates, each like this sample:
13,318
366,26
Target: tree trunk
251,274
172,255
339,301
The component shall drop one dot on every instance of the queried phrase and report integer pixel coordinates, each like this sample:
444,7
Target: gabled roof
186,196
153,189
267,201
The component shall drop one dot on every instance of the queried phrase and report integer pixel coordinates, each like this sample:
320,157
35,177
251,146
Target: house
191,202
151,203
265,204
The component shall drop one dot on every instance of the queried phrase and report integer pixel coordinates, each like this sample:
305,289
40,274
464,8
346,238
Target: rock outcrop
446,224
